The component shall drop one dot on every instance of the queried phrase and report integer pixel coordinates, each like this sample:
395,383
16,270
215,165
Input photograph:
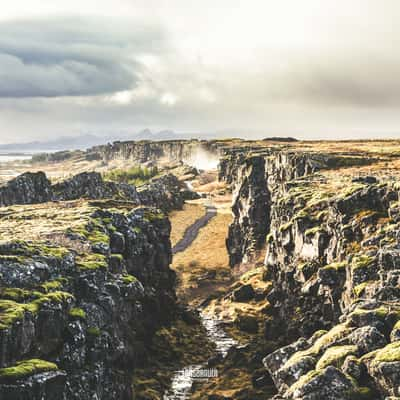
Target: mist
203,159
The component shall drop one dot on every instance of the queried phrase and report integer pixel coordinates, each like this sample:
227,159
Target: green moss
11,311
397,325
153,216
390,353
51,286
56,252
94,231
25,369
11,258
362,261
111,228
128,279
380,312
351,190
335,356
25,249
301,215
313,231
336,266
16,294
286,226
359,289
303,380
93,331
137,229
335,334
77,313
98,237
91,262
53,297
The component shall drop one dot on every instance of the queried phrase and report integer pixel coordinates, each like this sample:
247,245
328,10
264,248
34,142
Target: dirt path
193,230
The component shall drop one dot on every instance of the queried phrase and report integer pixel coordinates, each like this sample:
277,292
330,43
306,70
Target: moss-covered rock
24,369
335,356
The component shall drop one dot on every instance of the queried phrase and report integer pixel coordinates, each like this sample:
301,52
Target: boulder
244,293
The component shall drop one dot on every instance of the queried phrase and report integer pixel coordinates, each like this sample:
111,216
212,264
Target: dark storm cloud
72,56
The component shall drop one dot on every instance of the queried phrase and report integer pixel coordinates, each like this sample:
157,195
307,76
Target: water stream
183,379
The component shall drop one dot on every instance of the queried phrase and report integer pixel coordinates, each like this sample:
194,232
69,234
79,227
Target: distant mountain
62,143
88,140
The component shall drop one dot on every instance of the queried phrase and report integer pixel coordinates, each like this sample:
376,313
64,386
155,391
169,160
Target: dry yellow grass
207,253
182,219
39,221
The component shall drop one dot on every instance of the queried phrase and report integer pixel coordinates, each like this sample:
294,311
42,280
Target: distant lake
14,155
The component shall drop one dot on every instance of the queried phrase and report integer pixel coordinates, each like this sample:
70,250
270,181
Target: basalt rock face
251,207
256,177
317,246
333,259
166,193
75,320
144,151
332,256
28,188
90,185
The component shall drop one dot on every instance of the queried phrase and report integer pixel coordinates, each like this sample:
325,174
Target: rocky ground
308,283
327,224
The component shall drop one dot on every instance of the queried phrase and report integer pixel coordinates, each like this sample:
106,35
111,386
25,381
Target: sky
313,69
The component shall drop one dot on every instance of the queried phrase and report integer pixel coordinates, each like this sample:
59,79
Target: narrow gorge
272,265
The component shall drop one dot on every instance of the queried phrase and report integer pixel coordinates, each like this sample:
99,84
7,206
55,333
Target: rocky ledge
257,177
82,290
165,192
333,256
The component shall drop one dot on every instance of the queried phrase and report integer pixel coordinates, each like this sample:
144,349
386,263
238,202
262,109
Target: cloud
321,69
73,56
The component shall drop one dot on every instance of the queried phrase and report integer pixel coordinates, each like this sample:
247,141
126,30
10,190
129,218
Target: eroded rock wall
144,151
257,177
332,246
75,320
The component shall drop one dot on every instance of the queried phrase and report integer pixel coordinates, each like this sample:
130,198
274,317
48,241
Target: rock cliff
80,298
144,151
256,177
27,188
331,243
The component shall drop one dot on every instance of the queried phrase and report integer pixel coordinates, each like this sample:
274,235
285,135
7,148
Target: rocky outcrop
332,257
332,246
75,319
257,177
90,185
166,192
352,360
28,188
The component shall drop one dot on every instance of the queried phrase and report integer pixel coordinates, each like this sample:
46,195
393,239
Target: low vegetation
136,175
25,369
